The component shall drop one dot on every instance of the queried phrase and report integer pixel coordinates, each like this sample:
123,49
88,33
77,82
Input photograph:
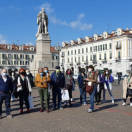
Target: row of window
4,62
94,57
16,56
92,49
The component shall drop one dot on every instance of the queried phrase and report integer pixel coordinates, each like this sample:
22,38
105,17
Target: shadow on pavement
106,107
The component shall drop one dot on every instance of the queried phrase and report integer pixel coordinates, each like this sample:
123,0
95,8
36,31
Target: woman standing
82,86
108,83
68,83
127,89
23,89
91,86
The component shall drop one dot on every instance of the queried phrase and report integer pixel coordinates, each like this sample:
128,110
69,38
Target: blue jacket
6,87
57,81
80,80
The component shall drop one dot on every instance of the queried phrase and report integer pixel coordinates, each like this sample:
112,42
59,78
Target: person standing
41,81
91,86
6,87
57,83
46,71
68,84
82,86
30,77
127,89
108,83
23,89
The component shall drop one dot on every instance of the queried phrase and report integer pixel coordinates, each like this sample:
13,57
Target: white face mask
28,73
106,72
89,70
4,74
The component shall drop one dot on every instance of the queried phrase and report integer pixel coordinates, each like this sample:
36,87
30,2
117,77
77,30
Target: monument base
43,57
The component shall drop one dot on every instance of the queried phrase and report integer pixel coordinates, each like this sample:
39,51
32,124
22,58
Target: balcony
94,62
118,47
71,64
118,60
86,63
104,61
78,63
62,56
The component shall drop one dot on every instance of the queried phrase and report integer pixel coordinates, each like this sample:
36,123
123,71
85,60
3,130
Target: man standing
41,81
6,88
57,82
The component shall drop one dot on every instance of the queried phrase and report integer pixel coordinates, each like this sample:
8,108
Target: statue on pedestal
42,21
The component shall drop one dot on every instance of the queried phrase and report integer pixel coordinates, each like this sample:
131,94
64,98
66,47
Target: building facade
20,56
108,50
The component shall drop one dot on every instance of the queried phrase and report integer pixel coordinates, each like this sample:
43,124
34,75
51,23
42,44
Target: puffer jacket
42,82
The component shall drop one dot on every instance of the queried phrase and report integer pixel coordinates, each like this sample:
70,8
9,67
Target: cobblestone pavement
106,118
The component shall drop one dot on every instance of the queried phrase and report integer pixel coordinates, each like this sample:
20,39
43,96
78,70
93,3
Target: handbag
65,95
89,87
129,92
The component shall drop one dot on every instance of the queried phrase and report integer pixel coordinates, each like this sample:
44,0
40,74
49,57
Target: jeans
43,92
5,97
82,95
92,98
56,92
110,92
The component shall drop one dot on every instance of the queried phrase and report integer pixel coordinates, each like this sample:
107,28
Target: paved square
106,118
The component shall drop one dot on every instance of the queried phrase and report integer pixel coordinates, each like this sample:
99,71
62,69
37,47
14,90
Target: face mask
22,73
57,71
106,72
4,74
12,74
89,70
45,71
28,73
41,73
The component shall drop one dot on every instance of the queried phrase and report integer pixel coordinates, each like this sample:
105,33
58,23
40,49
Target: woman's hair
67,71
91,66
21,70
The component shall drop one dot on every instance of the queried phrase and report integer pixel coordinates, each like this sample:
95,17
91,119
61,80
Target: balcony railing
94,62
118,60
118,47
104,61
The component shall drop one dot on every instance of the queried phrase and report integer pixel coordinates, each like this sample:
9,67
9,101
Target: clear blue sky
68,19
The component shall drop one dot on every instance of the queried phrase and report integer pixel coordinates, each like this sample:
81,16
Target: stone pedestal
43,57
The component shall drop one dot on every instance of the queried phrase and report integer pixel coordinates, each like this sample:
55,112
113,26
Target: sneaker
47,110
9,116
113,102
41,110
90,110
21,111
130,104
123,104
61,108
28,111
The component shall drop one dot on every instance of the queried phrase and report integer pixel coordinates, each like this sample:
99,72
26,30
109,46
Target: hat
57,67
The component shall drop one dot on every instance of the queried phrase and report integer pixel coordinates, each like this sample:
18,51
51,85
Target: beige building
16,56
108,50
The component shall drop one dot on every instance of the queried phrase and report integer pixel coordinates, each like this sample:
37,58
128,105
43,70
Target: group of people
15,84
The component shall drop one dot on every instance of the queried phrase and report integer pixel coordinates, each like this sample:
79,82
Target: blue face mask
46,71
41,74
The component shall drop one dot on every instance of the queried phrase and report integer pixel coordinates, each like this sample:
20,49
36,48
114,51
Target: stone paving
106,118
